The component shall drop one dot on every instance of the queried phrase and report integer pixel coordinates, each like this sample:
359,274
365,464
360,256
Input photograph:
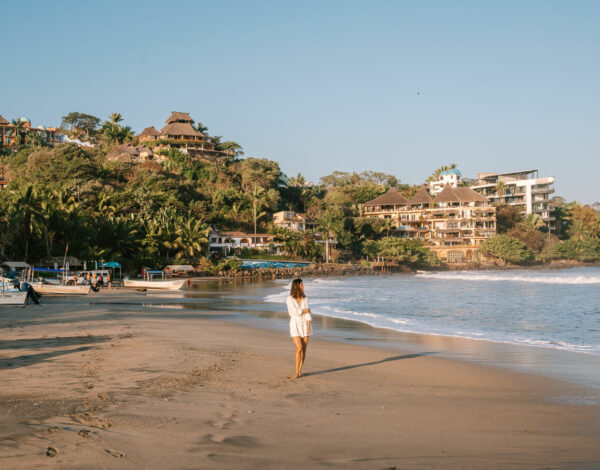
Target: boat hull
13,298
162,285
62,289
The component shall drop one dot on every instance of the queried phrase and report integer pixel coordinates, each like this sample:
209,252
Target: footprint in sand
223,421
236,441
90,419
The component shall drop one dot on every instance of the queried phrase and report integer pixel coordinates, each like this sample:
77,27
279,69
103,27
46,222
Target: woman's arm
306,310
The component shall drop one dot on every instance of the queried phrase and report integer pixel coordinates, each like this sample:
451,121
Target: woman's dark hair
297,291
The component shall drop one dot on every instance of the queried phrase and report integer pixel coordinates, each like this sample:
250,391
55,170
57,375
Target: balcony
545,190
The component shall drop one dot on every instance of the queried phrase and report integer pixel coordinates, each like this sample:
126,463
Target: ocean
540,321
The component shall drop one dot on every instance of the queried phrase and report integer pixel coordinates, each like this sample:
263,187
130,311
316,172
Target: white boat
164,285
13,298
43,288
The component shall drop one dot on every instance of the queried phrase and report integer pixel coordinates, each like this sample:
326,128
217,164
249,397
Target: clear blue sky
398,87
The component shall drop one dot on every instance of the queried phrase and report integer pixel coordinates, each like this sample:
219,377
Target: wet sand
119,384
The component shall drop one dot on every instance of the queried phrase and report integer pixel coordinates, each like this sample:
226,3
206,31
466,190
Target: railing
542,190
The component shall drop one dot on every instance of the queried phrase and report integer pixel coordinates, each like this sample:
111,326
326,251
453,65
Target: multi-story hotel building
452,224
180,133
8,133
524,190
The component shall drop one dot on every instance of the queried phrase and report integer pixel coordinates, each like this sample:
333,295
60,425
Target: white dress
298,326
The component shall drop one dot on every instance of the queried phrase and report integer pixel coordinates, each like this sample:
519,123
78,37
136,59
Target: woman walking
300,322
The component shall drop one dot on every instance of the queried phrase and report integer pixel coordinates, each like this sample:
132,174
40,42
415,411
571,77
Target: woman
300,322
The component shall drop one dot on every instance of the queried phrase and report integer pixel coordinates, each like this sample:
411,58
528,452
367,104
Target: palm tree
388,224
258,199
532,222
27,204
33,138
286,238
191,241
20,131
116,118
126,134
327,224
577,230
500,188
202,128
230,147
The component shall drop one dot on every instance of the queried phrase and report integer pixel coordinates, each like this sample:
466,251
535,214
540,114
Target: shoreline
128,382
561,363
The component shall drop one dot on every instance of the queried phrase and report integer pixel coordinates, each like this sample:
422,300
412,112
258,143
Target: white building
522,189
451,177
228,242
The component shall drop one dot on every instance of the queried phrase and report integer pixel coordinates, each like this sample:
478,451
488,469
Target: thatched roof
151,131
468,195
128,150
390,198
421,197
460,194
144,149
180,128
123,149
176,116
3,122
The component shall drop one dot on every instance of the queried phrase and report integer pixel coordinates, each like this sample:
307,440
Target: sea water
557,309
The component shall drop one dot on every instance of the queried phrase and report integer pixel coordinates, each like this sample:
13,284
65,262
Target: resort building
452,224
452,177
228,242
179,132
132,153
524,190
292,221
9,133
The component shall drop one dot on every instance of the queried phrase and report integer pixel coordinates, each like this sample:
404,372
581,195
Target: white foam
479,276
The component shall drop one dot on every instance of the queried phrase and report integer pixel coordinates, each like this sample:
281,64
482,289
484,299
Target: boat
44,288
149,284
13,298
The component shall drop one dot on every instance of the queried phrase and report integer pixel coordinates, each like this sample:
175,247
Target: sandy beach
120,381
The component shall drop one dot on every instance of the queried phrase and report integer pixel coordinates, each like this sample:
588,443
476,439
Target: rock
51,451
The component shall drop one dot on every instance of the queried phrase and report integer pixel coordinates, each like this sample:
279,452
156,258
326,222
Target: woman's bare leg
299,355
304,343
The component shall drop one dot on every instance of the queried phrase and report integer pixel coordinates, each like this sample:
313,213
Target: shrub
587,249
508,249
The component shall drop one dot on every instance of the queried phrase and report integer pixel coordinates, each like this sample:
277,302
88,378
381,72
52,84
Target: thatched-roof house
130,152
149,133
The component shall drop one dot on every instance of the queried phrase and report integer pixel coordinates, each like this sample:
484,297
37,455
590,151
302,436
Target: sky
400,87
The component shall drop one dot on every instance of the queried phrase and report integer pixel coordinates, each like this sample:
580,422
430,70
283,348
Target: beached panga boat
13,298
164,285
43,288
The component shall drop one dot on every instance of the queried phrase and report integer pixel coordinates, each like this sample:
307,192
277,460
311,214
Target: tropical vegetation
155,213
